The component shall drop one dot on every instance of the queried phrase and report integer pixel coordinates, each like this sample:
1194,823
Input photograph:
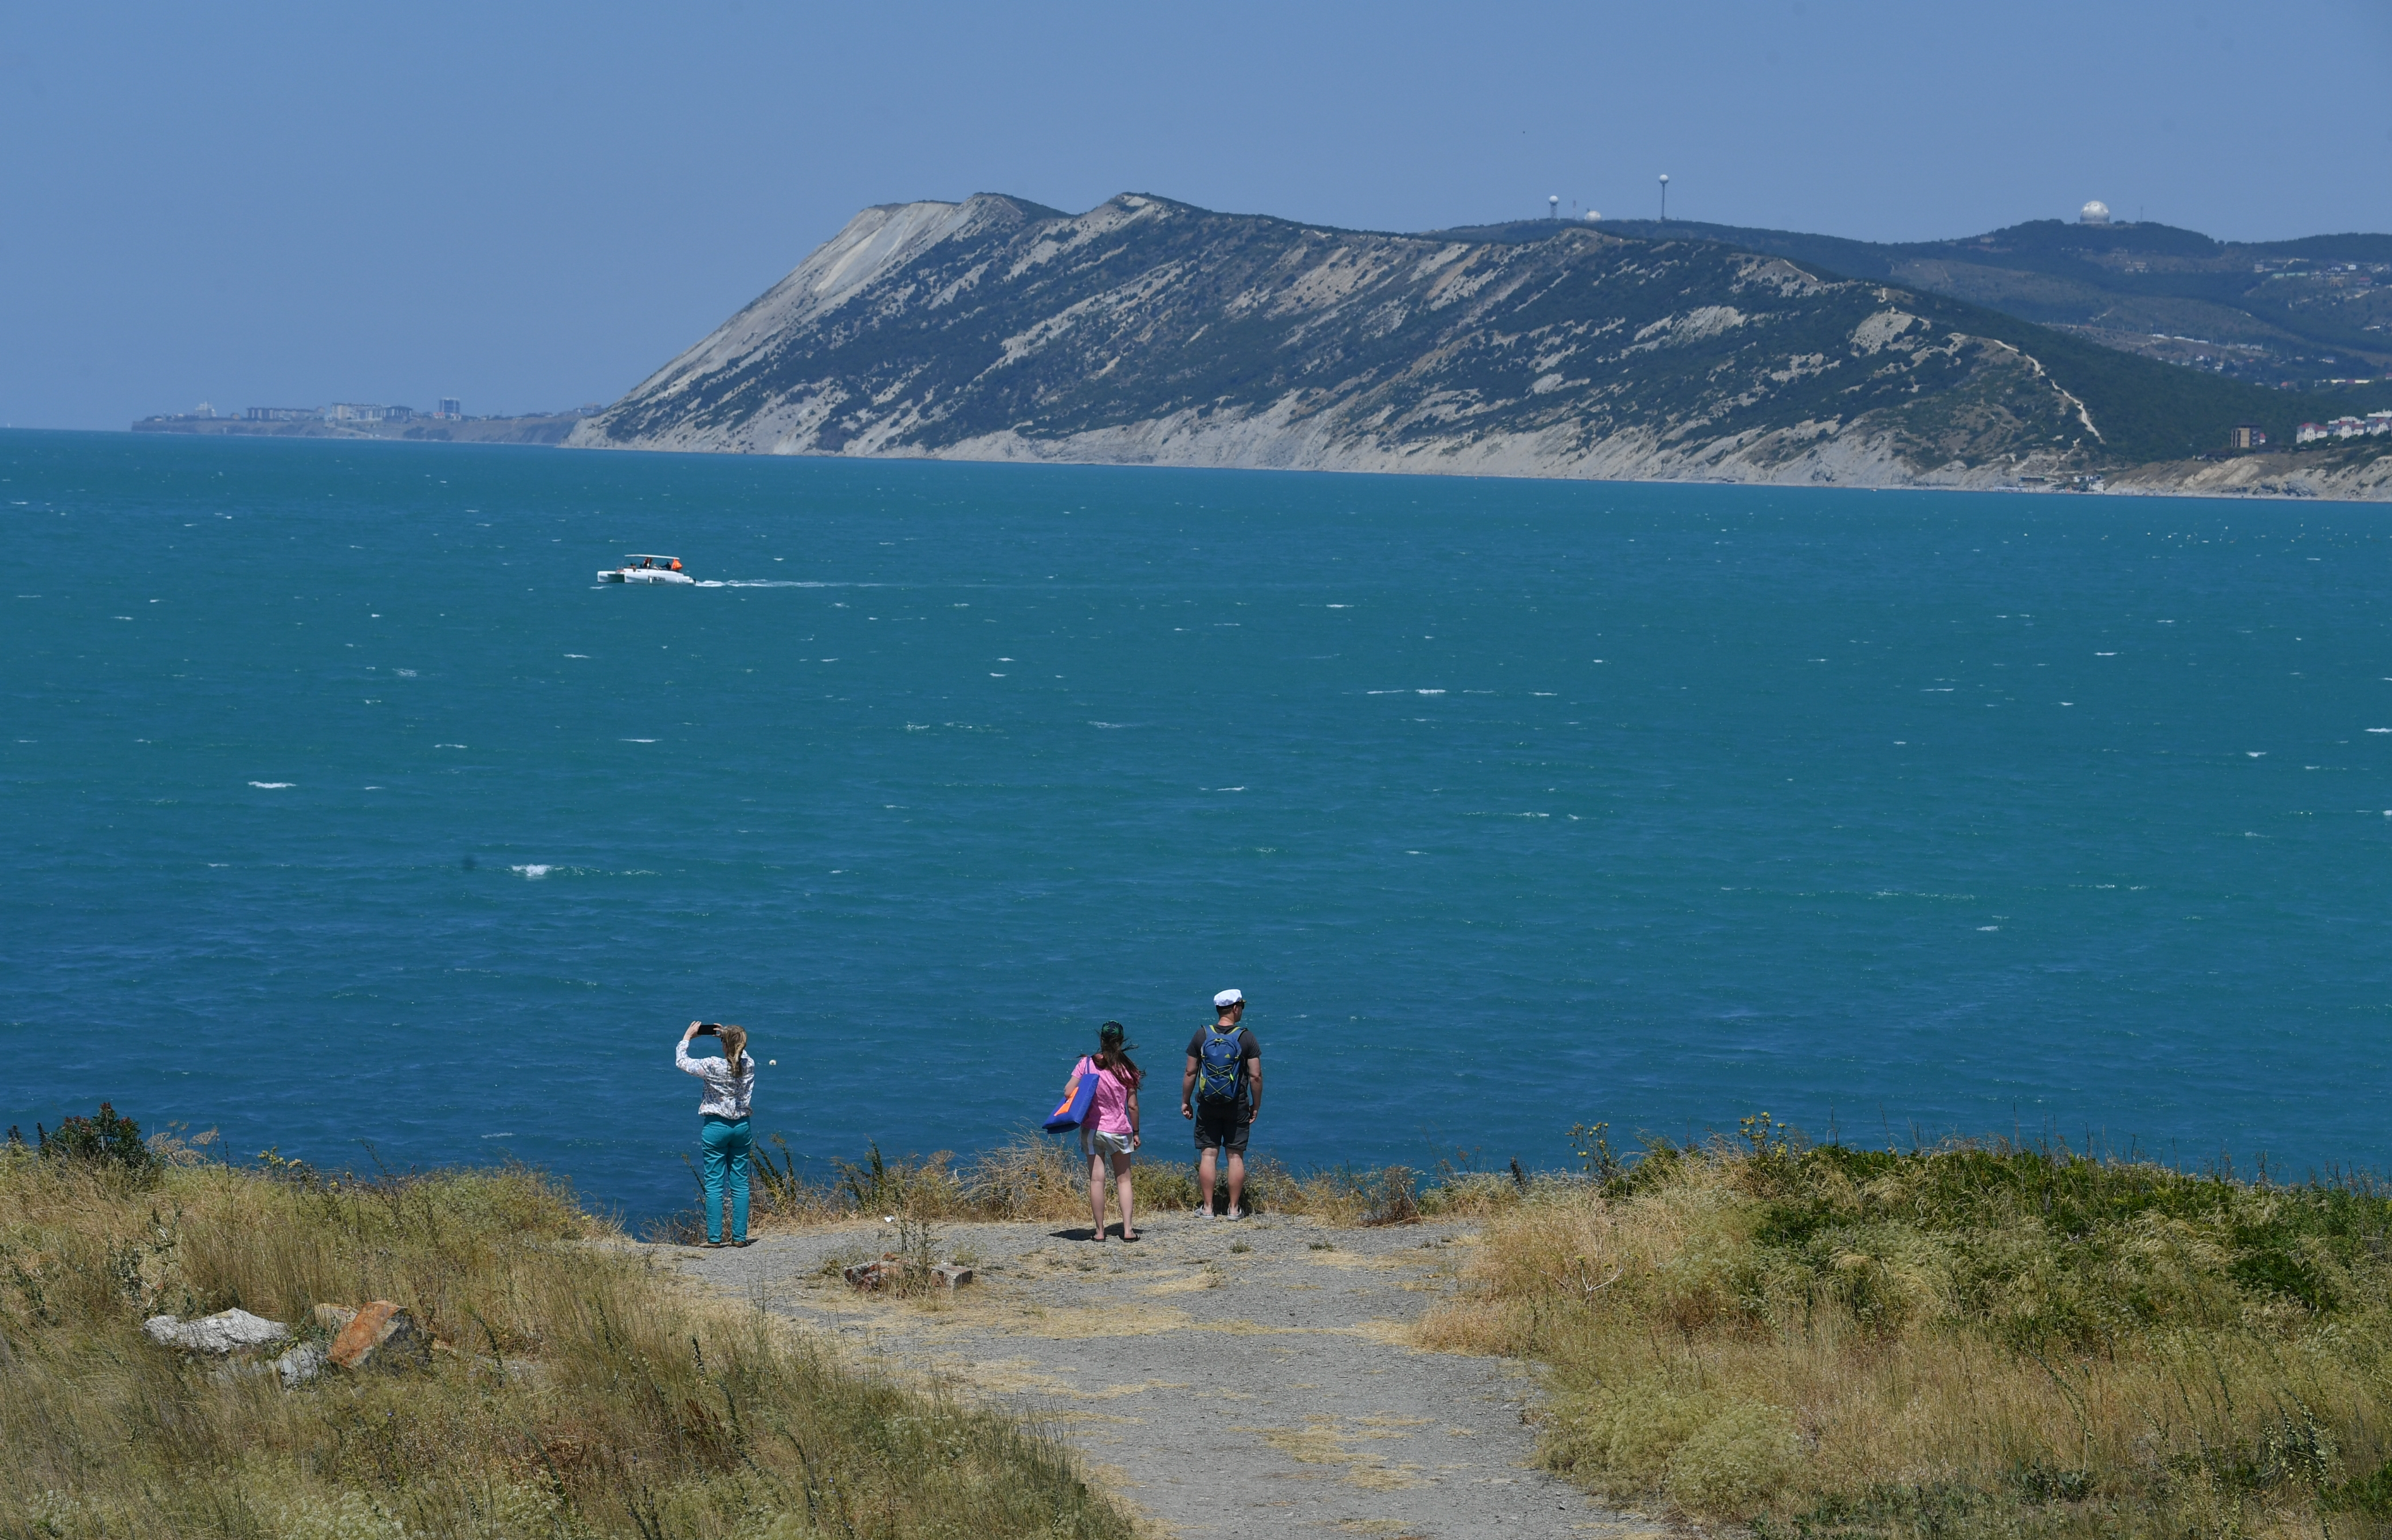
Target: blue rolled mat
1077,1097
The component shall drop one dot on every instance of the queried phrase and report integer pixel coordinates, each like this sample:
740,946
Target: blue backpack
1217,1066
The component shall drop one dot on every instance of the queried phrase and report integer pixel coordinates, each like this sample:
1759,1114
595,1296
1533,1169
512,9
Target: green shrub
105,1138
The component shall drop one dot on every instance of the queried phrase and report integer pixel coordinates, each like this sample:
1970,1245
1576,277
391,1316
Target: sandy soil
1221,1377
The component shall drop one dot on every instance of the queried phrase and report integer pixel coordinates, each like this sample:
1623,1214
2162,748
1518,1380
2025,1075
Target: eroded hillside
1148,331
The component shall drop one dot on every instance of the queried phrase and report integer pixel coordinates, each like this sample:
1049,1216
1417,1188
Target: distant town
2374,425
447,423
449,410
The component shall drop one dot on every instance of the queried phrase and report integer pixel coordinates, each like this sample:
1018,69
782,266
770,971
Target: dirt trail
1221,1377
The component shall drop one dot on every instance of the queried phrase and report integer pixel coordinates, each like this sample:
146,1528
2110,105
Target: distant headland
1148,331
2089,357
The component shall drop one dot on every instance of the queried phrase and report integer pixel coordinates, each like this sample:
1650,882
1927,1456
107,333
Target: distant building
2348,427
351,412
2309,432
2094,213
2379,423
279,414
450,409
2247,436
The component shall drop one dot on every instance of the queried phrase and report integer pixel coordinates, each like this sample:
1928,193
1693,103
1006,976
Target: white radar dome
2095,213
1594,213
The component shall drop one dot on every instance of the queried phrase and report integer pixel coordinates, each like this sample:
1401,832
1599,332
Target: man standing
1221,1092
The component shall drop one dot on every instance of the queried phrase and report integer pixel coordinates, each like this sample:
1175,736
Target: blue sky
530,206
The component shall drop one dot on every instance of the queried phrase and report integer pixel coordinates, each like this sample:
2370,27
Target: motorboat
647,569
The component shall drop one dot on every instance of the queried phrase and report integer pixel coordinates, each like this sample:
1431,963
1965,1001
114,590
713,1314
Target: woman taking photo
1110,1136
722,1123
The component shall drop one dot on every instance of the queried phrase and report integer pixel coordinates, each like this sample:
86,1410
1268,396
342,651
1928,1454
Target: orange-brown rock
383,1335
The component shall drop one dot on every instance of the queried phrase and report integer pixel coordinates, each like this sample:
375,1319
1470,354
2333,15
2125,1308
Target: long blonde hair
734,1042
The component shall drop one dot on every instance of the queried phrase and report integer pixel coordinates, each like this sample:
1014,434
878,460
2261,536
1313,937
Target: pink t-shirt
1109,1112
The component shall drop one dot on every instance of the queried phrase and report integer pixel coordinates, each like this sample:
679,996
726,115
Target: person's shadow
1085,1233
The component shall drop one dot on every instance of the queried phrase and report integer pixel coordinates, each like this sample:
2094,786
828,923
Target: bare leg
1237,1181
1096,1191
1204,1177
1120,1189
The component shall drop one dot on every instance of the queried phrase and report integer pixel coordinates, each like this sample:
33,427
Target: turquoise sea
345,809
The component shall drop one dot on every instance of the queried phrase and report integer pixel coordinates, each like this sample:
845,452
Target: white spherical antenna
1592,214
1553,202
1665,198
2094,213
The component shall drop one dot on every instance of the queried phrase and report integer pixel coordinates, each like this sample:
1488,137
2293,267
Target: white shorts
1112,1143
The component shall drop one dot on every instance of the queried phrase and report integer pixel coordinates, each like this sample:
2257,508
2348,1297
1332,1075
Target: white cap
1227,998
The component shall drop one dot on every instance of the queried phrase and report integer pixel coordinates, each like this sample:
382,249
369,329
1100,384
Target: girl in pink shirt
1111,1133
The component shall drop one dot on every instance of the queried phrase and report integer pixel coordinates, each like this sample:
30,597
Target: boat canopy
642,556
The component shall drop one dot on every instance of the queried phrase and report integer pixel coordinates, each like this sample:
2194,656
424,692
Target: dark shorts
1226,1130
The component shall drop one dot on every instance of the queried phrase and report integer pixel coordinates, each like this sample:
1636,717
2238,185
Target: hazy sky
531,206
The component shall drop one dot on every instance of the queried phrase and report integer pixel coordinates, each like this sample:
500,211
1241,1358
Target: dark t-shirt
1248,1051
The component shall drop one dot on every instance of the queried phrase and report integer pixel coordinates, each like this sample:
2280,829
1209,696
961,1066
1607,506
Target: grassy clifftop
575,1391
1828,1342
1819,1341
1966,1340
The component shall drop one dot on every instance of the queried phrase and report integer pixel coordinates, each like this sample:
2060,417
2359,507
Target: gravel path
1221,1377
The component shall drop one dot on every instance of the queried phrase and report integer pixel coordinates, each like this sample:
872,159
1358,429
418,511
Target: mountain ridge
2268,312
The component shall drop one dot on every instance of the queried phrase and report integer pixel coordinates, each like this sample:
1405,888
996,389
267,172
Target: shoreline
2340,474
546,430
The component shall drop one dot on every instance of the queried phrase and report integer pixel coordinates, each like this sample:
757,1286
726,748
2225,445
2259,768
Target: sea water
349,815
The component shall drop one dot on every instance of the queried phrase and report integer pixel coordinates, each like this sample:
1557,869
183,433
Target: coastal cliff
1147,332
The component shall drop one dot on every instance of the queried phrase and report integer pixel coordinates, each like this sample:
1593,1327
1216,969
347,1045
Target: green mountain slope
2302,311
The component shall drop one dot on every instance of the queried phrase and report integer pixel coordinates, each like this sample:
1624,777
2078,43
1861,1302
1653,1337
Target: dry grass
1035,1177
582,1391
1956,1342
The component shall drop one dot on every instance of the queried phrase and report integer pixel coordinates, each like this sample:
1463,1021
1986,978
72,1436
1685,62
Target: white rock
299,1366
226,1331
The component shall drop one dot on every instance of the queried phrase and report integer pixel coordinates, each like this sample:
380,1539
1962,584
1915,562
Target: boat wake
779,583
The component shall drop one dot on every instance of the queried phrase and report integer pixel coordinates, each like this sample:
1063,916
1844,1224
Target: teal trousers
726,1150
